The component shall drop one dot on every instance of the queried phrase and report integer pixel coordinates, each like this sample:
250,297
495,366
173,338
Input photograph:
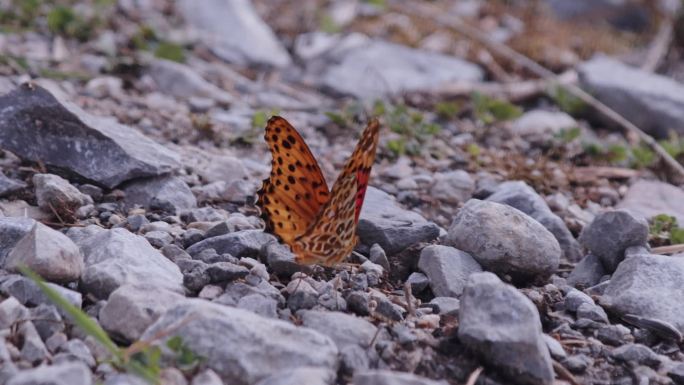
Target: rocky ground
511,233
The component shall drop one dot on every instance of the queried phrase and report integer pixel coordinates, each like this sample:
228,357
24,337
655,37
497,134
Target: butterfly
318,224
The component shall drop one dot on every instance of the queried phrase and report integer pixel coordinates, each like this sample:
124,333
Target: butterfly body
318,225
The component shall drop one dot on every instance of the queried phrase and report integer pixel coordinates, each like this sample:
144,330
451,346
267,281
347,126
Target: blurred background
203,76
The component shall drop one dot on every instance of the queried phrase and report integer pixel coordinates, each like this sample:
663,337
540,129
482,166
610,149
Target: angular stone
47,252
130,309
504,240
541,126
343,329
647,198
382,221
521,196
182,81
242,347
301,376
168,194
375,68
55,192
99,149
503,326
587,272
246,243
117,257
388,377
655,103
611,233
234,32
648,286
9,186
12,229
28,293
68,373
453,187
447,268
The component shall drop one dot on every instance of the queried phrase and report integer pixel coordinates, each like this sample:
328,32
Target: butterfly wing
295,191
332,235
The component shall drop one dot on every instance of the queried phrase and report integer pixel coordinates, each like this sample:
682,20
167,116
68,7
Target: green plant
568,135
566,101
674,145
141,358
170,51
490,110
447,110
664,227
643,156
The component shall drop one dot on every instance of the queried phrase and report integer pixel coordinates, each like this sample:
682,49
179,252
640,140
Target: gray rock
207,377
9,186
418,282
447,305
343,329
75,350
447,268
246,243
182,81
158,239
677,374
68,373
55,192
259,304
648,286
577,363
387,310
574,299
280,259
555,347
168,194
100,150
33,350
12,229
235,291
382,221
130,309
234,32
117,257
592,312
453,187
587,272
222,272
647,199
519,195
503,326
378,256
636,354
387,377
375,68
611,233
124,379
541,126
48,253
242,347
359,303
28,293
504,240
615,335
655,103
47,320
301,376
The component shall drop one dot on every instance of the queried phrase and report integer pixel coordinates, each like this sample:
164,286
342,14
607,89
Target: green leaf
336,118
170,51
677,236
490,110
397,146
447,110
643,156
474,150
568,135
175,343
566,101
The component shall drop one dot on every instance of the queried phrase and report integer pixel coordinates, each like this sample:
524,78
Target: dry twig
472,378
564,373
659,46
458,25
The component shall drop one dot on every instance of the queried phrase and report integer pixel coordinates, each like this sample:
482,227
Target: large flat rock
36,126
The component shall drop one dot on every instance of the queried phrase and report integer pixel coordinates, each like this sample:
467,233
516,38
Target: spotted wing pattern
332,236
295,191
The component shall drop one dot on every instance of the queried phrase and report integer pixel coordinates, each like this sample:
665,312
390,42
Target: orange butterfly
318,225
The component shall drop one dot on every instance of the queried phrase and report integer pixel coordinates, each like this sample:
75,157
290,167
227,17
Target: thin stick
472,378
659,46
409,299
564,373
460,26
671,249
